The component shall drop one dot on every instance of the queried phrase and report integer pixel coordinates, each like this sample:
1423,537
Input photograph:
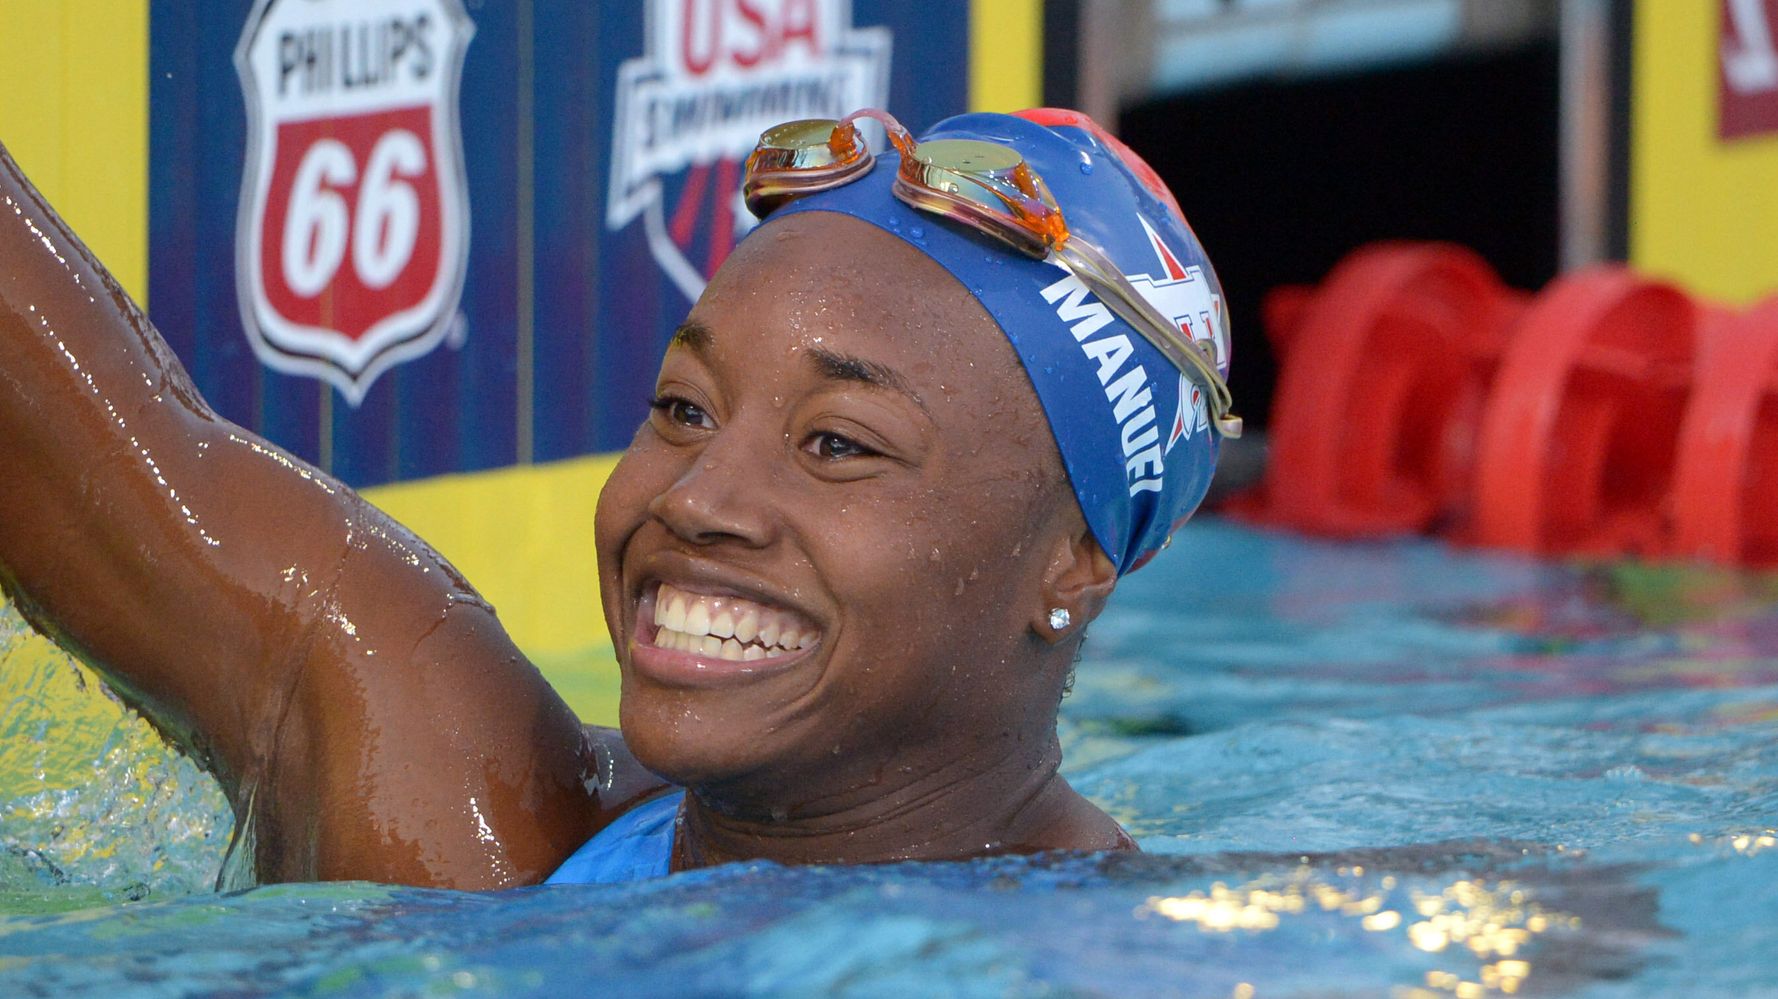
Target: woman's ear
1079,578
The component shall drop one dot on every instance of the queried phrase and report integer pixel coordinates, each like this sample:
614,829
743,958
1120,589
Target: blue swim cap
1134,433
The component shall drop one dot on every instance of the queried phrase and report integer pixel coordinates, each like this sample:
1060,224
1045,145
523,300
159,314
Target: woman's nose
722,495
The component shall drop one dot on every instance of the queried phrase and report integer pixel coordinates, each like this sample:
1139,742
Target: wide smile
692,638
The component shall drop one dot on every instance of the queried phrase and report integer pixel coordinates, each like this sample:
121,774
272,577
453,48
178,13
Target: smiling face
823,553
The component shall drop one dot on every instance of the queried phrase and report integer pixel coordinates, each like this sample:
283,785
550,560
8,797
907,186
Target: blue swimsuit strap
636,846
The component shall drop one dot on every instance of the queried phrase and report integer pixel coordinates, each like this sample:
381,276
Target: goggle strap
1087,261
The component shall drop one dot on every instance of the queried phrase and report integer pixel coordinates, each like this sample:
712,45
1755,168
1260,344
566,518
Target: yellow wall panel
74,113
1703,212
1005,55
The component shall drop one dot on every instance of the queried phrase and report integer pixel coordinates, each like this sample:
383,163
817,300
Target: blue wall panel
594,309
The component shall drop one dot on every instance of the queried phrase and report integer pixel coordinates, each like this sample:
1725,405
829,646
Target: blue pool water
1356,770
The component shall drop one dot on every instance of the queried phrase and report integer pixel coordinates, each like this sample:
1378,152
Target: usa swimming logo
714,75
353,234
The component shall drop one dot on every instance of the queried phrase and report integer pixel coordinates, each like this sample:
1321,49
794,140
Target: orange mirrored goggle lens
982,183
802,157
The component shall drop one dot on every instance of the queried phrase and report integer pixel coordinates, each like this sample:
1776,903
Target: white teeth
724,627
675,616
697,619
730,648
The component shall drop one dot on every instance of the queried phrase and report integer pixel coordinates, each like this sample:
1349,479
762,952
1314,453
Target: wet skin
364,705
351,692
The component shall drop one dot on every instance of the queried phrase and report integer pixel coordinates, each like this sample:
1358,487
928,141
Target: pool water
1358,770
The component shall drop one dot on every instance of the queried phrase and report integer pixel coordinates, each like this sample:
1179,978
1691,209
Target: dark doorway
1282,179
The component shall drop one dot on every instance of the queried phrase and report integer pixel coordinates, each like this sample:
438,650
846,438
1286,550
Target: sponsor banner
409,237
354,212
1747,54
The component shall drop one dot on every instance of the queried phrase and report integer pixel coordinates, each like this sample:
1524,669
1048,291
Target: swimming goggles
988,187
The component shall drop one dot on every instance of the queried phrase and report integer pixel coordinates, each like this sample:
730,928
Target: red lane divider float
1607,415
1725,491
1579,434
1385,366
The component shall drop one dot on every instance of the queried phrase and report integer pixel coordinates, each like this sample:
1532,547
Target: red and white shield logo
353,235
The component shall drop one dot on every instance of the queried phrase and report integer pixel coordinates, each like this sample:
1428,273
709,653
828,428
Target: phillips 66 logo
715,74
353,233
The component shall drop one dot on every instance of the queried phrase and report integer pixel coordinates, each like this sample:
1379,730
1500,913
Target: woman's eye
681,411
833,446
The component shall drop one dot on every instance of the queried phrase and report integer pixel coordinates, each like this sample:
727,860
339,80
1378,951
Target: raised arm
346,685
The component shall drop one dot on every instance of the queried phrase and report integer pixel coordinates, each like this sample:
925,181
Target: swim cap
1134,433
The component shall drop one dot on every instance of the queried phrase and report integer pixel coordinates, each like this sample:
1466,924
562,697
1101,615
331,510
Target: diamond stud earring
1060,619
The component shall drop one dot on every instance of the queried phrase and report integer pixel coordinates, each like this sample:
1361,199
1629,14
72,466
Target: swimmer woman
903,461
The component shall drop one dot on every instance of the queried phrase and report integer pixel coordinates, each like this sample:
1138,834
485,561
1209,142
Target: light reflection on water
1357,770
1493,921
93,804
